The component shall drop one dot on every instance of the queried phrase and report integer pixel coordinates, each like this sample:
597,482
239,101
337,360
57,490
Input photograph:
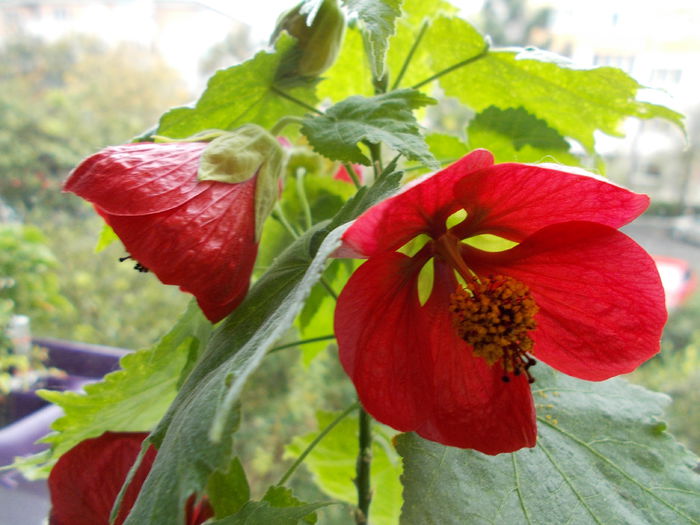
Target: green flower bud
319,37
243,153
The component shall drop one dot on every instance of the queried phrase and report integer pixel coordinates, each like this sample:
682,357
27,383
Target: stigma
495,315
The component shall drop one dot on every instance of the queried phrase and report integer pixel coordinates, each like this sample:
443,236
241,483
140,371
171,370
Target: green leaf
574,102
283,497
602,457
195,436
228,491
349,75
386,118
107,237
241,94
514,135
263,513
408,27
332,464
378,18
131,399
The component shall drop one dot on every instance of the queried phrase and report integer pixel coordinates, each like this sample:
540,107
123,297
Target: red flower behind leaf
454,365
199,235
86,480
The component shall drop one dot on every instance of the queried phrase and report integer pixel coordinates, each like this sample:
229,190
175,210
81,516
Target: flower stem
295,100
450,69
364,461
409,57
283,123
301,342
315,442
328,288
303,200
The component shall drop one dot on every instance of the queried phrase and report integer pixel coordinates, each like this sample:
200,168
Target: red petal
379,340
412,372
421,208
85,481
601,303
516,200
137,179
206,246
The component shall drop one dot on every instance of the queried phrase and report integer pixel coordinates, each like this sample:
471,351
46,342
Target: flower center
494,315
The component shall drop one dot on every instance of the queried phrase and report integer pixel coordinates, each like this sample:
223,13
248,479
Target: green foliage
135,397
378,18
332,464
28,279
62,101
202,412
602,456
228,491
384,119
241,94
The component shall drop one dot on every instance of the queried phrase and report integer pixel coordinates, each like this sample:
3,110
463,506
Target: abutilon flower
439,336
199,234
86,480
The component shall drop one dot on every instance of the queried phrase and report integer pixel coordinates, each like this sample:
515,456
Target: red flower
199,235
454,367
86,480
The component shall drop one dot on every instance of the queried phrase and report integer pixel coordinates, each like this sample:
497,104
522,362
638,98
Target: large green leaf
349,74
241,94
332,463
196,435
378,18
574,102
386,119
133,398
602,457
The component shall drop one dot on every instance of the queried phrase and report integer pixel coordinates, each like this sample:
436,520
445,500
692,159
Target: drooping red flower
454,365
200,235
86,480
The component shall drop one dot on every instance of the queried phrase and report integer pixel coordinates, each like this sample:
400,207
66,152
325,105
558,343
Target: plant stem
298,102
409,57
364,461
315,442
463,63
301,342
353,176
375,152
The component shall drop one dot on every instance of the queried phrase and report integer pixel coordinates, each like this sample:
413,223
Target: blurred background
76,76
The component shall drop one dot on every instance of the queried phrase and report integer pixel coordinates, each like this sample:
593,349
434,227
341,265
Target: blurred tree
236,47
58,103
513,23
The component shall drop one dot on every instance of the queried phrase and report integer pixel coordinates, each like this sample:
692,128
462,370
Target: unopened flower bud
319,36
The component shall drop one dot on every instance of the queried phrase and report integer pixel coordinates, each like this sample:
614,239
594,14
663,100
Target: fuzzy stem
303,200
353,176
364,461
298,102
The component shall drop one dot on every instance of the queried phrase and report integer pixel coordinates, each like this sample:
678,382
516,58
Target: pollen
495,315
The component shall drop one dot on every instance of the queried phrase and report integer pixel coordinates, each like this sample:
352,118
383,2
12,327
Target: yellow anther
495,315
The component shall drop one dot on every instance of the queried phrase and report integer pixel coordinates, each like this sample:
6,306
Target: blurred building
658,44
181,31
